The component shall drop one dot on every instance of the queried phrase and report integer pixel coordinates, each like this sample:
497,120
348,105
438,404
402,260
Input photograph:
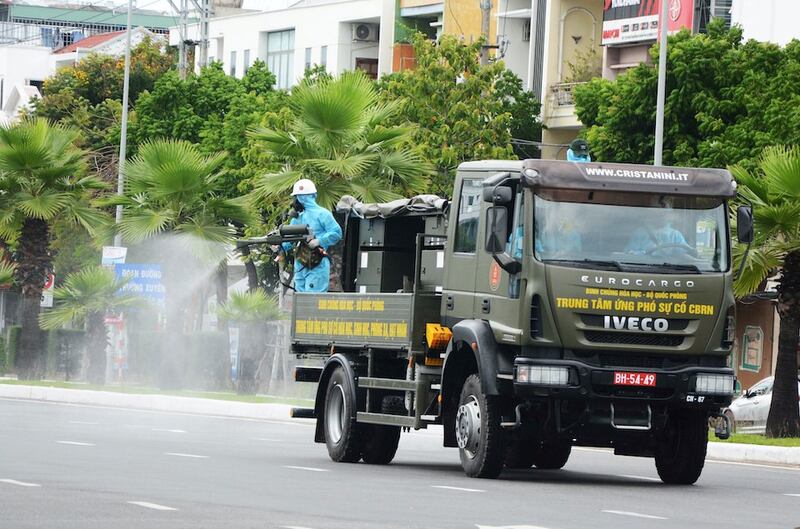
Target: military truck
550,304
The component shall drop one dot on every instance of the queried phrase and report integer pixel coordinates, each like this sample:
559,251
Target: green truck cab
550,304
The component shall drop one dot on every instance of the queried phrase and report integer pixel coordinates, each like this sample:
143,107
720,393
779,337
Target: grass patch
755,439
141,390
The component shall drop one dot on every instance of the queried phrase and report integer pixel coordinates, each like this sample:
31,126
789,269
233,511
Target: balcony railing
561,94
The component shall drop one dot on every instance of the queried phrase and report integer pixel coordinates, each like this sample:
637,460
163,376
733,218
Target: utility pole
123,137
205,13
182,48
662,84
486,11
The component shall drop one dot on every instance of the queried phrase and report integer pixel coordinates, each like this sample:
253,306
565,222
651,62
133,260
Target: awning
635,178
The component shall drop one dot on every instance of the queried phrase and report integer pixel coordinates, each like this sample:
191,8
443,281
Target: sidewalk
743,453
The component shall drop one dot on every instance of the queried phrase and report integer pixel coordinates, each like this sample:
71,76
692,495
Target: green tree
337,138
251,311
42,179
462,110
726,101
85,298
774,190
7,272
172,190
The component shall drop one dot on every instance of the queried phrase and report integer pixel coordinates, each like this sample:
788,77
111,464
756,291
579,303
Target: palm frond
7,272
762,262
781,166
139,224
249,307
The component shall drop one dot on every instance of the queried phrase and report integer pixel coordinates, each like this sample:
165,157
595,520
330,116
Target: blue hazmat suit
642,241
327,231
572,156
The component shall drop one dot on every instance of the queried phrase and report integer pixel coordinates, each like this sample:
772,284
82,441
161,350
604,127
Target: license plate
622,378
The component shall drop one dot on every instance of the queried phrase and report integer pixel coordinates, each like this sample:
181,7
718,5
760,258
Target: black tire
380,441
552,455
681,450
485,460
520,454
343,436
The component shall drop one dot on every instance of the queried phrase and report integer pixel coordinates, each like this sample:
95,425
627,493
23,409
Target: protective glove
313,244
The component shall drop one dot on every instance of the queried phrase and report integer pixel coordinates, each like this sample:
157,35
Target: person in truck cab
656,237
312,266
560,240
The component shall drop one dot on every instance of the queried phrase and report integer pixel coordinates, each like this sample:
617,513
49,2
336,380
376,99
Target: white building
22,66
112,43
292,36
767,20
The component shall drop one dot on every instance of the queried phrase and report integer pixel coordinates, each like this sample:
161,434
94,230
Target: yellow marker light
437,336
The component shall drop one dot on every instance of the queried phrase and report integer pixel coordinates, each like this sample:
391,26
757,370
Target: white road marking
293,527
179,454
154,506
462,489
74,443
168,430
312,469
83,422
509,526
267,440
758,465
646,478
636,515
19,483
793,495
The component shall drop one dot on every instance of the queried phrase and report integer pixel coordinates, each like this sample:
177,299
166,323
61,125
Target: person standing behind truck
312,267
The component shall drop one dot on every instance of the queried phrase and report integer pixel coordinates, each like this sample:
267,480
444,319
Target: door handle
449,303
486,306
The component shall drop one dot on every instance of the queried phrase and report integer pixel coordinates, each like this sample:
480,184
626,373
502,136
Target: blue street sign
143,279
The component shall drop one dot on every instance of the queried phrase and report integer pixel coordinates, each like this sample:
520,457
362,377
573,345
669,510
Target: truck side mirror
744,224
497,195
496,229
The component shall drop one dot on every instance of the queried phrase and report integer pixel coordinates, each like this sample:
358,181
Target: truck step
385,418
387,383
307,374
302,413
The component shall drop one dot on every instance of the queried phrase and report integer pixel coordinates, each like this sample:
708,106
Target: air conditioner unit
526,30
365,32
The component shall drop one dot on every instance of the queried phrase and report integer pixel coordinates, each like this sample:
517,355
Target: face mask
297,205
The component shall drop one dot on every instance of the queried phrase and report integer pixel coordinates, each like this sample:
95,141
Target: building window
280,56
308,58
323,56
368,66
233,64
246,60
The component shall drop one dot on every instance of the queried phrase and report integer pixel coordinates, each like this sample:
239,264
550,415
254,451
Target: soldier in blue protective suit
312,266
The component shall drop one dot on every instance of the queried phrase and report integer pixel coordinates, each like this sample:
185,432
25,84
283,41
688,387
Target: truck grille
632,338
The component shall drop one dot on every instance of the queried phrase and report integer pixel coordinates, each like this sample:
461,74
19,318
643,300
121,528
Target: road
79,467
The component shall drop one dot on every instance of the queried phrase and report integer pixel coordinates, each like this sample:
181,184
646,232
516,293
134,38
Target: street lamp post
662,85
123,137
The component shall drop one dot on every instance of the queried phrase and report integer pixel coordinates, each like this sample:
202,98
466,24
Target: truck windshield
674,234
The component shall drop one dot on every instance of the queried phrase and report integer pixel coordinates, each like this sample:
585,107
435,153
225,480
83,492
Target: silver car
749,412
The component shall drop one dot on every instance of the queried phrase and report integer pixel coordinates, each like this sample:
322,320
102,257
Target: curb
165,403
747,453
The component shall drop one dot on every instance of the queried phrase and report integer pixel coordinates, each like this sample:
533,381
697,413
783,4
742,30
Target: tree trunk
33,265
784,417
248,354
96,343
250,268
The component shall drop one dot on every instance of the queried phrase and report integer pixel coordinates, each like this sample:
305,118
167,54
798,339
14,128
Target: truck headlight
544,375
714,384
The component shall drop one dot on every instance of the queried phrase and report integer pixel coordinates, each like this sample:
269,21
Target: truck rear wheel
681,451
343,435
380,441
552,455
479,435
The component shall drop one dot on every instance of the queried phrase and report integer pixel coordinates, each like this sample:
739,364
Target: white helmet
304,187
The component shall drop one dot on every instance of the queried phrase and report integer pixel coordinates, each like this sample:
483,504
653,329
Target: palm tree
337,139
84,299
251,311
7,271
42,178
774,191
175,193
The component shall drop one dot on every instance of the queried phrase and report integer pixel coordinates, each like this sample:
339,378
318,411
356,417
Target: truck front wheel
479,435
342,433
681,450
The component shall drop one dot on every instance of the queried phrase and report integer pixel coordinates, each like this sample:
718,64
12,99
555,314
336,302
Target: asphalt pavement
83,467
